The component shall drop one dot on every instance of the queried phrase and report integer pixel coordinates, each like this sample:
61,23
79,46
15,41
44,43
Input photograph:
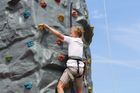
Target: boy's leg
60,87
79,81
62,82
79,85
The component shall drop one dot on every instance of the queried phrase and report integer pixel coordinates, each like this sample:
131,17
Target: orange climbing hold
43,4
61,17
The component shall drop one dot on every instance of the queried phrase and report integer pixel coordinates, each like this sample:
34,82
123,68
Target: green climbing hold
86,14
64,4
8,58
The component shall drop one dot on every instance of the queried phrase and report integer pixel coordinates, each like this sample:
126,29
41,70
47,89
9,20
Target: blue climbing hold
30,43
28,85
46,30
26,14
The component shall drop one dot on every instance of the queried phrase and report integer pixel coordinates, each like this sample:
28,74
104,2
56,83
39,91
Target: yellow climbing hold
89,89
8,57
41,27
89,61
91,28
61,17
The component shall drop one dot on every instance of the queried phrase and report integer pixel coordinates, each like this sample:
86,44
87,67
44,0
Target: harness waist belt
77,59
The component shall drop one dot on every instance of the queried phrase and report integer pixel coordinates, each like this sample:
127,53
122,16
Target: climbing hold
26,14
61,17
86,14
89,89
41,27
74,13
61,57
58,1
13,2
43,4
64,4
28,85
91,28
8,57
30,43
89,61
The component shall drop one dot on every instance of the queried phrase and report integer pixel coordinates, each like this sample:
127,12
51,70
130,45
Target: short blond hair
78,29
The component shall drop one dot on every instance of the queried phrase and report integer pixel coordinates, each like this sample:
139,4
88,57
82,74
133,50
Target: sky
115,47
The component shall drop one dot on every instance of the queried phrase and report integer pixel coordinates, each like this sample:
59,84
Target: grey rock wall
28,57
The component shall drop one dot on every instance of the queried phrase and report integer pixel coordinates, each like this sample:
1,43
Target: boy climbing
75,66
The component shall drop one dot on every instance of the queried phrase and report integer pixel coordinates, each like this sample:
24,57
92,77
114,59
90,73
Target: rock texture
28,57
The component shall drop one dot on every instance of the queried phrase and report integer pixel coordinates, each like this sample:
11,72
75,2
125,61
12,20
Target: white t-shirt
75,48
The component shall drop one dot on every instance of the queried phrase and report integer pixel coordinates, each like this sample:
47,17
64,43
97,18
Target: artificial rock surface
29,55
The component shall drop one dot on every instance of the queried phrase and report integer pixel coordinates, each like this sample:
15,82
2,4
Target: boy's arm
55,32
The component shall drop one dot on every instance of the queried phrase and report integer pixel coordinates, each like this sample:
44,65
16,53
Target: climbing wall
32,60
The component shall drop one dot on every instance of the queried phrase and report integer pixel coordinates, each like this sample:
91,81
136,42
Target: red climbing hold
43,4
58,1
61,57
74,13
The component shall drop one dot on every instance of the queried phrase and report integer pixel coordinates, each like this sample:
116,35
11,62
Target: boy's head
76,31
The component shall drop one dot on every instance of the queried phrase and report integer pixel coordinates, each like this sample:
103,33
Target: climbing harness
78,59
